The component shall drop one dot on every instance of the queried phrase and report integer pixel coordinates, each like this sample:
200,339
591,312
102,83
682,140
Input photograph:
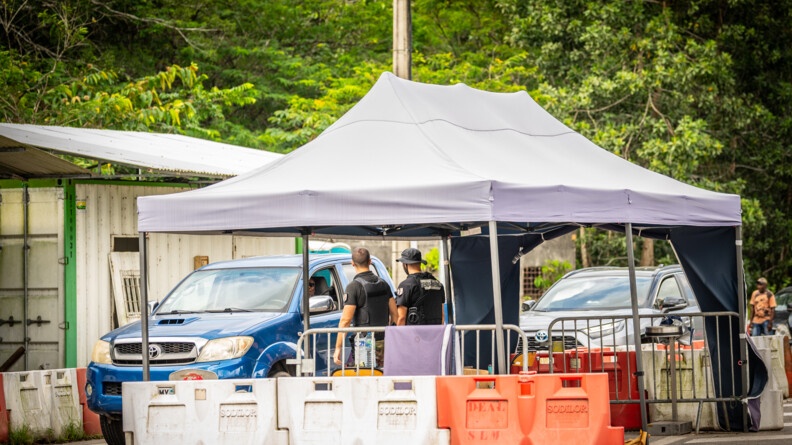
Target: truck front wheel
112,430
280,369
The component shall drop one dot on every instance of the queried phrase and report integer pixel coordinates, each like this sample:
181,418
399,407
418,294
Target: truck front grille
570,342
160,353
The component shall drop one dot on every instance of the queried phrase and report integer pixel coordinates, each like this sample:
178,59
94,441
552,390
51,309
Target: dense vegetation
699,90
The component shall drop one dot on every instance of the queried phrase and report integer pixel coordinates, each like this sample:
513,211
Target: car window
349,271
593,293
668,289
691,297
327,283
784,297
251,289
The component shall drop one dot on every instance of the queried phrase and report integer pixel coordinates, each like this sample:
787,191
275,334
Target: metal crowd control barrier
308,365
613,351
462,330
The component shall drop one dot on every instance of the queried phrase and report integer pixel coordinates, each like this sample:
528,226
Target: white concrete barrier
771,399
775,368
201,412
43,400
360,410
694,380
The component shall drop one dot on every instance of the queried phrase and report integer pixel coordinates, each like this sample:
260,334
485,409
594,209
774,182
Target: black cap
411,256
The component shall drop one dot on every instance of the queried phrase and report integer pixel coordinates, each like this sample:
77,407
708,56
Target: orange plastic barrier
4,419
622,383
91,424
697,344
526,409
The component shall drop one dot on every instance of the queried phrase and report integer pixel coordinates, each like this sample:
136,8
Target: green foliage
21,436
694,89
72,432
552,271
432,258
607,248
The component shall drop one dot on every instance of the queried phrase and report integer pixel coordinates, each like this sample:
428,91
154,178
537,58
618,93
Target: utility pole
402,62
402,39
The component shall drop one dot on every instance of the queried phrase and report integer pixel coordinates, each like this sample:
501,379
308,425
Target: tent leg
496,297
446,268
306,303
743,340
144,314
639,371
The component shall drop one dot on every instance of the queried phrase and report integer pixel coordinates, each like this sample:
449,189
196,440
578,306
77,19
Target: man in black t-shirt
420,296
368,301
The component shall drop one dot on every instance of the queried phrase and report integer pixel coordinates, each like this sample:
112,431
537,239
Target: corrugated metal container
41,273
109,212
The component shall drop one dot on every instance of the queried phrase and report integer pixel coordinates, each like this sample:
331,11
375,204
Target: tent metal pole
639,368
496,297
743,339
306,303
444,263
144,331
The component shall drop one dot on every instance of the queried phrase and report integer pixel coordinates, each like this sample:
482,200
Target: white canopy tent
416,160
418,154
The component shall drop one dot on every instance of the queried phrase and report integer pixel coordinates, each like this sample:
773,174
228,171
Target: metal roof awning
20,162
169,154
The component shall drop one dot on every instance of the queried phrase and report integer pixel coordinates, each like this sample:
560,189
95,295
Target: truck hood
195,325
531,321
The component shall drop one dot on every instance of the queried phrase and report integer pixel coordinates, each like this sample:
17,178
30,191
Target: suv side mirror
152,306
674,303
527,305
321,303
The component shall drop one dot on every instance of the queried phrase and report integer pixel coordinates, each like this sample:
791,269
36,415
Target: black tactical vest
374,312
429,303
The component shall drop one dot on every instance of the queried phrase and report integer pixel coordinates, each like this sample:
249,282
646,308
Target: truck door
327,286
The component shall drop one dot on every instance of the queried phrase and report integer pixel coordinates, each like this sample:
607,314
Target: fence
683,377
589,344
321,358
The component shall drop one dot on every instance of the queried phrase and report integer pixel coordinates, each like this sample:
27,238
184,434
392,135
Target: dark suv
605,292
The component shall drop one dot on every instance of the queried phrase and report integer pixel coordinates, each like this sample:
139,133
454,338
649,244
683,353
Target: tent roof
421,156
173,154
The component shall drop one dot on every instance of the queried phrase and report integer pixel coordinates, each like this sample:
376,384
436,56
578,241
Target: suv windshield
261,289
593,293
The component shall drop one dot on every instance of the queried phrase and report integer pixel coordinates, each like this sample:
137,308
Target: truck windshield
593,293
233,290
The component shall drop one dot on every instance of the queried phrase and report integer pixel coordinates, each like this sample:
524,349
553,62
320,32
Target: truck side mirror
527,305
152,306
673,303
321,303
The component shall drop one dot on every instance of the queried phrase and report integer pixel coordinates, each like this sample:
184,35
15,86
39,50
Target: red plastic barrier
4,419
526,409
91,424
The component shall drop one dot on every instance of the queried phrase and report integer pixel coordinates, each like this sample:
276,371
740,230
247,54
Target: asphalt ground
777,437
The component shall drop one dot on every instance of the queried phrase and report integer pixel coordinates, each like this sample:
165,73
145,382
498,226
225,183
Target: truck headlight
225,348
101,353
604,330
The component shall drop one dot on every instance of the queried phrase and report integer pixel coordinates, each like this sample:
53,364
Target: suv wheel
112,430
280,370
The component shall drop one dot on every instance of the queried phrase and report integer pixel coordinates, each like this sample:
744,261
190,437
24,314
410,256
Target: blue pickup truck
232,319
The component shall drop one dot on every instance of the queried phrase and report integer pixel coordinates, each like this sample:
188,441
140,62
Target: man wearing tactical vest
368,301
420,296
